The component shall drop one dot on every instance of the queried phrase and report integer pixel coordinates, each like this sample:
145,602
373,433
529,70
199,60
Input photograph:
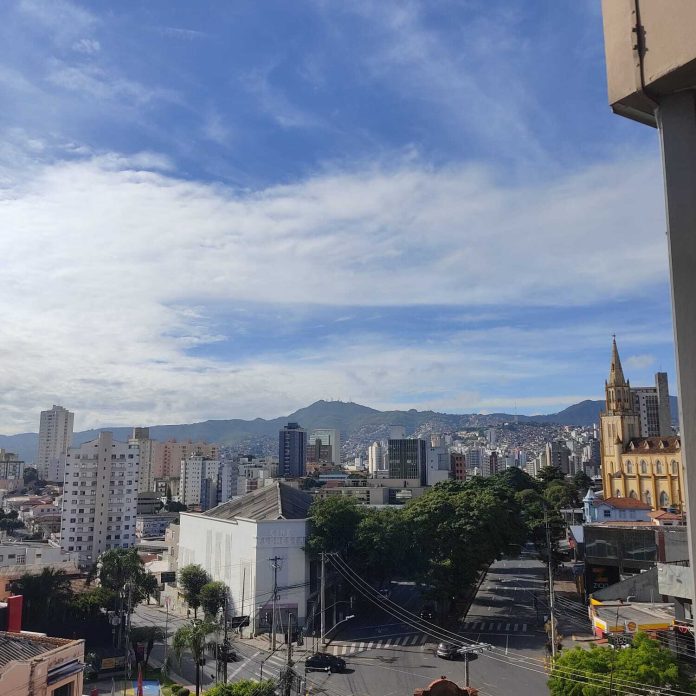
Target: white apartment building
255,472
55,436
206,482
146,480
375,458
100,497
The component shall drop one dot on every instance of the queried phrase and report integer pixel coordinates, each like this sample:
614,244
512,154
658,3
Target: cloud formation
113,267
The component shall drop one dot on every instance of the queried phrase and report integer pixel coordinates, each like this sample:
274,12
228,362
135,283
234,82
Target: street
387,657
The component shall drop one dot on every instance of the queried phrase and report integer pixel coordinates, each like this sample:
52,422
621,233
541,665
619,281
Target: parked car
447,651
427,613
323,662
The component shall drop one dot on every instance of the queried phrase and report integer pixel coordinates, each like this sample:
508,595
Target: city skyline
238,212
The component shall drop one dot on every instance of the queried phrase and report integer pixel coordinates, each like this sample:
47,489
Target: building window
658,467
618,493
633,495
629,468
643,467
607,512
664,499
675,467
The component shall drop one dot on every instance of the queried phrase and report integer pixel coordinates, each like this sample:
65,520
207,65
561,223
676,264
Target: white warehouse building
236,543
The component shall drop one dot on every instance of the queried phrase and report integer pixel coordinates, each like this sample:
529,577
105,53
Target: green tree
244,687
93,601
147,635
517,480
213,596
550,473
191,638
333,524
9,525
582,483
192,578
175,506
45,594
381,548
123,572
594,672
30,475
561,494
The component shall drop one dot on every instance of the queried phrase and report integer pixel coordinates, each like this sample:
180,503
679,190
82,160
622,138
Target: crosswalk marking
494,627
409,640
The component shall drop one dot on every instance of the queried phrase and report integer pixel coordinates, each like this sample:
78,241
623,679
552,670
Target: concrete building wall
238,553
100,497
55,436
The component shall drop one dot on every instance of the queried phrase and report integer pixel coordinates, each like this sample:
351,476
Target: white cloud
87,46
640,362
108,269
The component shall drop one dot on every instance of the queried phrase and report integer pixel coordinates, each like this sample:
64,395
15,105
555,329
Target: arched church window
633,495
643,467
658,467
647,497
629,467
664,499
618,493
675,467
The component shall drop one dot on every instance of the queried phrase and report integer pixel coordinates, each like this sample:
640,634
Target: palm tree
191,638
44,593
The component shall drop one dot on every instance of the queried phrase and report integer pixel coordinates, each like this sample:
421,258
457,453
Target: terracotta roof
275,502
664,515
665,445
623,503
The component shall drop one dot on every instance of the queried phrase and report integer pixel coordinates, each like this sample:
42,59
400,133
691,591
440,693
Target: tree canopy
244,687
212,597
192,579
580,672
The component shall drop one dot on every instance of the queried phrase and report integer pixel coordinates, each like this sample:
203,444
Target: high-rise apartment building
408,459
205,482
653,408
167,456
375,458
100,497
325,441
458,466
558,456
147,448
292,451
55,436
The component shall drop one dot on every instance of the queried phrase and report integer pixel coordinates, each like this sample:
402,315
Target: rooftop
277,501
623,503
665,445
23,646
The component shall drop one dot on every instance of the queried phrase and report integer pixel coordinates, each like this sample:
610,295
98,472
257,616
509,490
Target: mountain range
356,422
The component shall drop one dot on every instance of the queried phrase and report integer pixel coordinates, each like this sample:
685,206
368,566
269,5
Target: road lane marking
243,665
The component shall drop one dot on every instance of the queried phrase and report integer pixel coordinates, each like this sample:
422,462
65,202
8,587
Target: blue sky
213,210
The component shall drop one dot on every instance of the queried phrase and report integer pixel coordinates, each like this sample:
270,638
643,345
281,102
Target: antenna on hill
517,420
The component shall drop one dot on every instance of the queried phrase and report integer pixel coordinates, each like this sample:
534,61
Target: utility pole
275,564
225,640
288,676
322,598
466,669
552,618
166,634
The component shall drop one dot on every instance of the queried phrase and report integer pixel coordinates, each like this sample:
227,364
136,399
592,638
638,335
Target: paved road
387,657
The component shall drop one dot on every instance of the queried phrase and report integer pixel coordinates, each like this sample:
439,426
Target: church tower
619,424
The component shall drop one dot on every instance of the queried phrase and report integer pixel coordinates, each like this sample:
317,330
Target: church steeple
618,389
616,375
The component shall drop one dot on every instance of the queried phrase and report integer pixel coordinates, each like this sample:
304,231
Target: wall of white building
237,552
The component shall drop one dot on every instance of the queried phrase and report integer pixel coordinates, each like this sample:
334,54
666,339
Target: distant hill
356,422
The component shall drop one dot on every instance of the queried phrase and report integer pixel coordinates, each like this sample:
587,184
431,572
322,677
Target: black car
448,651
323,662
427,613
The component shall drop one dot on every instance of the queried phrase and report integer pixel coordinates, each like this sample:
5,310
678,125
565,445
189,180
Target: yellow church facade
645,468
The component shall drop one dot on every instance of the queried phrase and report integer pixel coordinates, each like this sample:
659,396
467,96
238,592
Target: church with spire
641,458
